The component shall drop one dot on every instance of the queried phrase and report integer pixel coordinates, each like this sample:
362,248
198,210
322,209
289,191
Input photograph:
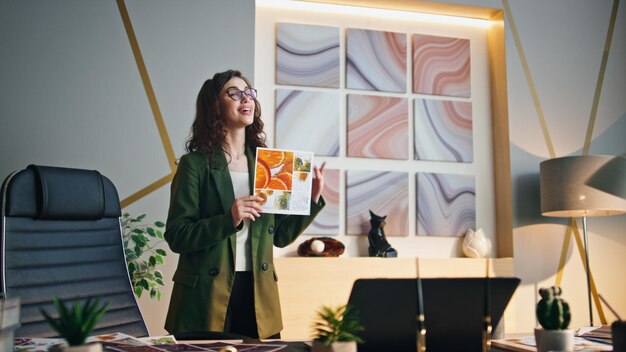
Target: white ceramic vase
335,347
476,244
88,347
554,340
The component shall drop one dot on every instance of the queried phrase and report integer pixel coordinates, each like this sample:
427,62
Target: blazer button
264,266
214,271
270,229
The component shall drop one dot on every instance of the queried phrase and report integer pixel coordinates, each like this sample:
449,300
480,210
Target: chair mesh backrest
61,236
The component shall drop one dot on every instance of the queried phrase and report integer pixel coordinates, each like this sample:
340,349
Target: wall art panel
383,192
326,223
307,121
376,60
441,66
307,55
446,204
443,130
378,127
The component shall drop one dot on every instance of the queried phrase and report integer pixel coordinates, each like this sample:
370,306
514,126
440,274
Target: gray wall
71,94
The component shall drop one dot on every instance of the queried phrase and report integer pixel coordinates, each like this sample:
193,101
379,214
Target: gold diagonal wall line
596,96
156,112
563,259
145,78
529,79
147,190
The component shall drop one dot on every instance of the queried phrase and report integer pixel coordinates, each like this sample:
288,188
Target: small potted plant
336,330
554,316
75,324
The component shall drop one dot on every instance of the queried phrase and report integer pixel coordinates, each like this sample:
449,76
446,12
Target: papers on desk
600,334
118,342
587,339
579,344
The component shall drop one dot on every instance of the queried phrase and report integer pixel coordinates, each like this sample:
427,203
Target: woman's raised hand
318,182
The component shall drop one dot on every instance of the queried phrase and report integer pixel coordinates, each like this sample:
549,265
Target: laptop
453,309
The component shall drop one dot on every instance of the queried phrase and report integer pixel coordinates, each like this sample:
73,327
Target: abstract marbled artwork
307,55
307,121
441,66
383,192
376,60
378,127
446,204
326,223
443,130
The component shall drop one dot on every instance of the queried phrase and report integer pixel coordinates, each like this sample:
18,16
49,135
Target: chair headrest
64,193
57,193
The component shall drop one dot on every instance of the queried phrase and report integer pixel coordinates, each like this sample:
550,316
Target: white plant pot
335,347
554,340
88,347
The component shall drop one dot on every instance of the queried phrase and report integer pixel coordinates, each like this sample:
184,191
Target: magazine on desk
119,342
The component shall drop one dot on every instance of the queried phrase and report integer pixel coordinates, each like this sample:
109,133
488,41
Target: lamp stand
587,270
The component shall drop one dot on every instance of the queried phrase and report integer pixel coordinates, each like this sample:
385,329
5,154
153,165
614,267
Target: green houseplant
142,255
76,323
554,316
336,329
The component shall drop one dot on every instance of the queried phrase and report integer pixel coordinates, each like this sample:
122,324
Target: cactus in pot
552,310
554,316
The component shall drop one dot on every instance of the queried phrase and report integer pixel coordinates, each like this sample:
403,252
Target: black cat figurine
379,247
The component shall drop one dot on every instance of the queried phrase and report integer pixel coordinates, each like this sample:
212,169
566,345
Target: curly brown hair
208,132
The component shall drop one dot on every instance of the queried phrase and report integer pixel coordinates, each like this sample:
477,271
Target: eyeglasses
236,94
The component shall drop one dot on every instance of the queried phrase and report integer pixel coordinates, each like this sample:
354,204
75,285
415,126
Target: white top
243,260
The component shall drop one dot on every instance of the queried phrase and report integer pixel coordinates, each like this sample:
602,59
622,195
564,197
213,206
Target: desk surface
514,344
292,345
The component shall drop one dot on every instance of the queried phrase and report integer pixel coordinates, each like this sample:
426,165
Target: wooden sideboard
305,284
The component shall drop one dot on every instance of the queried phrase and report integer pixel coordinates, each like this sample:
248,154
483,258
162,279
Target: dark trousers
240,317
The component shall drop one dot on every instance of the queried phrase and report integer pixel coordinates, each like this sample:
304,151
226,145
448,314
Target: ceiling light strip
370,11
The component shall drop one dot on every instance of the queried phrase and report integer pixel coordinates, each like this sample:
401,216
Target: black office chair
61,236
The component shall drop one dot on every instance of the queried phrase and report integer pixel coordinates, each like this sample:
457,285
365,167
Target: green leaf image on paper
282,202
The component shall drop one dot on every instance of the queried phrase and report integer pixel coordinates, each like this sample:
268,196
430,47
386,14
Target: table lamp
565,193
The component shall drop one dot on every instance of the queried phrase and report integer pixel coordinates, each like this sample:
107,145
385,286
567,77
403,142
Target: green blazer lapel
251,155
257,225
224,186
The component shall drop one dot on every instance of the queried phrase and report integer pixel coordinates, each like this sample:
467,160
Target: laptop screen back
453,308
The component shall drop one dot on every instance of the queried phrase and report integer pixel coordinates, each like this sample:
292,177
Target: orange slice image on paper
277,184
263,195
273,158
286,178
263,174
288,163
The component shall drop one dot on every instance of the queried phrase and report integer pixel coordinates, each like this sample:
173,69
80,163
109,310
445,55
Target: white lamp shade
564,189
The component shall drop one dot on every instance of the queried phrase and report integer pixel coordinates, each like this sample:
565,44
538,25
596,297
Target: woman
225,279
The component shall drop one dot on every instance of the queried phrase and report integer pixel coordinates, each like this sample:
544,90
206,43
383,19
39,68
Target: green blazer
200,229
